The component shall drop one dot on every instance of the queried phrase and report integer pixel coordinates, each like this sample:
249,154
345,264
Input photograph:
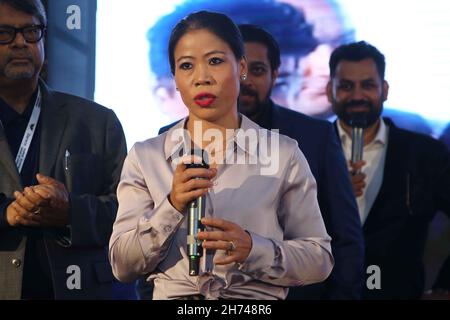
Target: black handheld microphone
358,123
196,211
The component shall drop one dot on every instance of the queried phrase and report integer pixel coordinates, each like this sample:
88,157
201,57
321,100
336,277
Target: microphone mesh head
199,153
358,120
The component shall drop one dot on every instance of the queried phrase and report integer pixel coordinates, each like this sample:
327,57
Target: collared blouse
272,195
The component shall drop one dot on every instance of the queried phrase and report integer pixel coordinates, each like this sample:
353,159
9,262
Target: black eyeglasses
31,34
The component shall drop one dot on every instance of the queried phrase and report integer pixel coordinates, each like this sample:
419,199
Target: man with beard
318,142
402,182
60,163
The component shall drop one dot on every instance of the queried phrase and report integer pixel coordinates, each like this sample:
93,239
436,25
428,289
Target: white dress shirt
374,154
290,245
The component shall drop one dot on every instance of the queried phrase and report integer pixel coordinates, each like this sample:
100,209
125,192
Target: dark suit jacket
318,142
94,137
445,136
416,184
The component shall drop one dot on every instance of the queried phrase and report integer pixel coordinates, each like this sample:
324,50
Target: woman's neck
207,135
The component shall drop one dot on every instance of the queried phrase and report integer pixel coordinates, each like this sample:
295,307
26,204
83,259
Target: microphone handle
196,212
357,146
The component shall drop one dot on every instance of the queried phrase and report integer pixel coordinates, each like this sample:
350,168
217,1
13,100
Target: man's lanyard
29,133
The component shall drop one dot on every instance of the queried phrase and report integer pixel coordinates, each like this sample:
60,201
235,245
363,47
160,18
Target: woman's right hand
189,184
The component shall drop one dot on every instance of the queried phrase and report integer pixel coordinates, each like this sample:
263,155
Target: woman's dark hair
31,7
216,23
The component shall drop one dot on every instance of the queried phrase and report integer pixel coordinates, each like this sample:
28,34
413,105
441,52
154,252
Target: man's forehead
363,69
256,50
362,65
258,62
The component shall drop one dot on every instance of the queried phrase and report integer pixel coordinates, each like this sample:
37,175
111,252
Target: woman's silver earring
244,77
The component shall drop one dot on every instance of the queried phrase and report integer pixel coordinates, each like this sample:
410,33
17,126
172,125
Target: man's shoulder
302,121
311,134
418,142
168,127
77,103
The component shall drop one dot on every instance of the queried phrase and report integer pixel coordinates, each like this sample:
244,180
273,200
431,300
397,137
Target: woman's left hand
230,238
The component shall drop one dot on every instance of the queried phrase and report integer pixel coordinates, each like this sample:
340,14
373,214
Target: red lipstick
205,99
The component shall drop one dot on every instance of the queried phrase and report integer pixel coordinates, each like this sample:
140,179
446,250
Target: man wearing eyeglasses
60,162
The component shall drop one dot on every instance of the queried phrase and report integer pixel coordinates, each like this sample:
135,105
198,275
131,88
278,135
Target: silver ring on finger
231,247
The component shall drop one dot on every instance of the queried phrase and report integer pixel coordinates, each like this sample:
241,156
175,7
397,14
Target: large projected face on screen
133,74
